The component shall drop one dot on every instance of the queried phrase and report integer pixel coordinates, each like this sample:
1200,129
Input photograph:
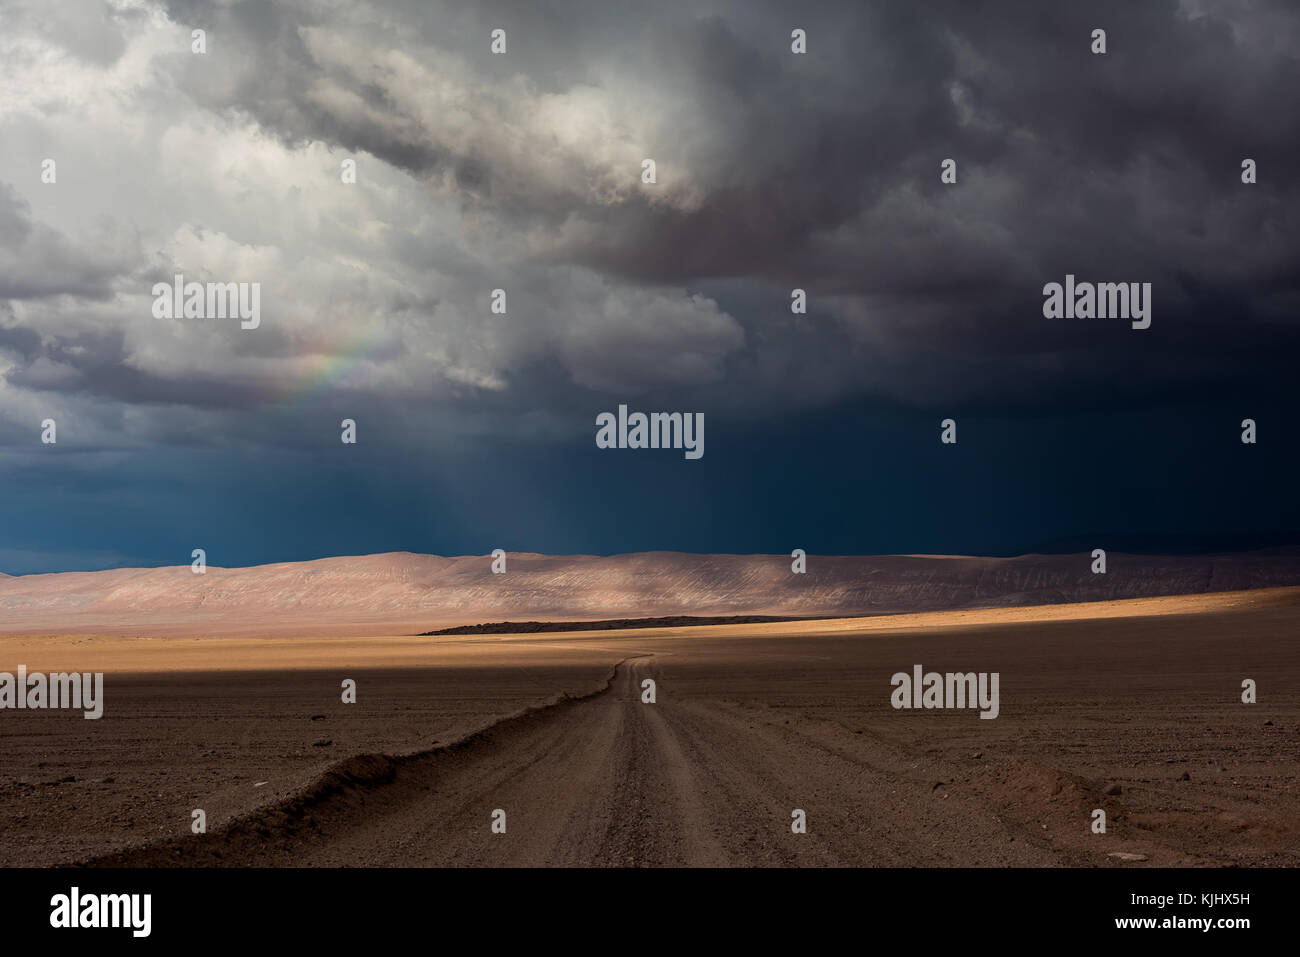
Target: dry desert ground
1133,707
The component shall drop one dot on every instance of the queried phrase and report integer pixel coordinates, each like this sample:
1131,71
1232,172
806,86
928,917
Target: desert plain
1130,706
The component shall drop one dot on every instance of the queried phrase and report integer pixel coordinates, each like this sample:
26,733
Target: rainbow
335,365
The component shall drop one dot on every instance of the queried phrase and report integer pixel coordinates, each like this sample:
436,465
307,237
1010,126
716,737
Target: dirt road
1132,708
609,780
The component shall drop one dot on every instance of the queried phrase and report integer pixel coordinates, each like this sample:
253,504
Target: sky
523,171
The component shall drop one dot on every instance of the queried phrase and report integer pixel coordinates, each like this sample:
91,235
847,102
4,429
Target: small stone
1113,789
1126,856
1185,776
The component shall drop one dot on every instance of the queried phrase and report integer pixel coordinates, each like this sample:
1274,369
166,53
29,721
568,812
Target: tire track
604,779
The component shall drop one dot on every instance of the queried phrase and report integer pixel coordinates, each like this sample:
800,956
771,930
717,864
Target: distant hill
606,624
405,593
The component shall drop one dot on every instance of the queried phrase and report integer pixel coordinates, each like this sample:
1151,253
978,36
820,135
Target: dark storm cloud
38,261
819,171
96,364
822,171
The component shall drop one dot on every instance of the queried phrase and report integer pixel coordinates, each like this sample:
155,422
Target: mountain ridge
410,593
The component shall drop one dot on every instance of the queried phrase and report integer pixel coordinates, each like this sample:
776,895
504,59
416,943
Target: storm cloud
522,171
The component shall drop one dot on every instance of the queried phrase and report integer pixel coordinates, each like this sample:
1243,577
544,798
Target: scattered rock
1268,724
1126,856
1113,789
1184,776
318,717
977,755
322,744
